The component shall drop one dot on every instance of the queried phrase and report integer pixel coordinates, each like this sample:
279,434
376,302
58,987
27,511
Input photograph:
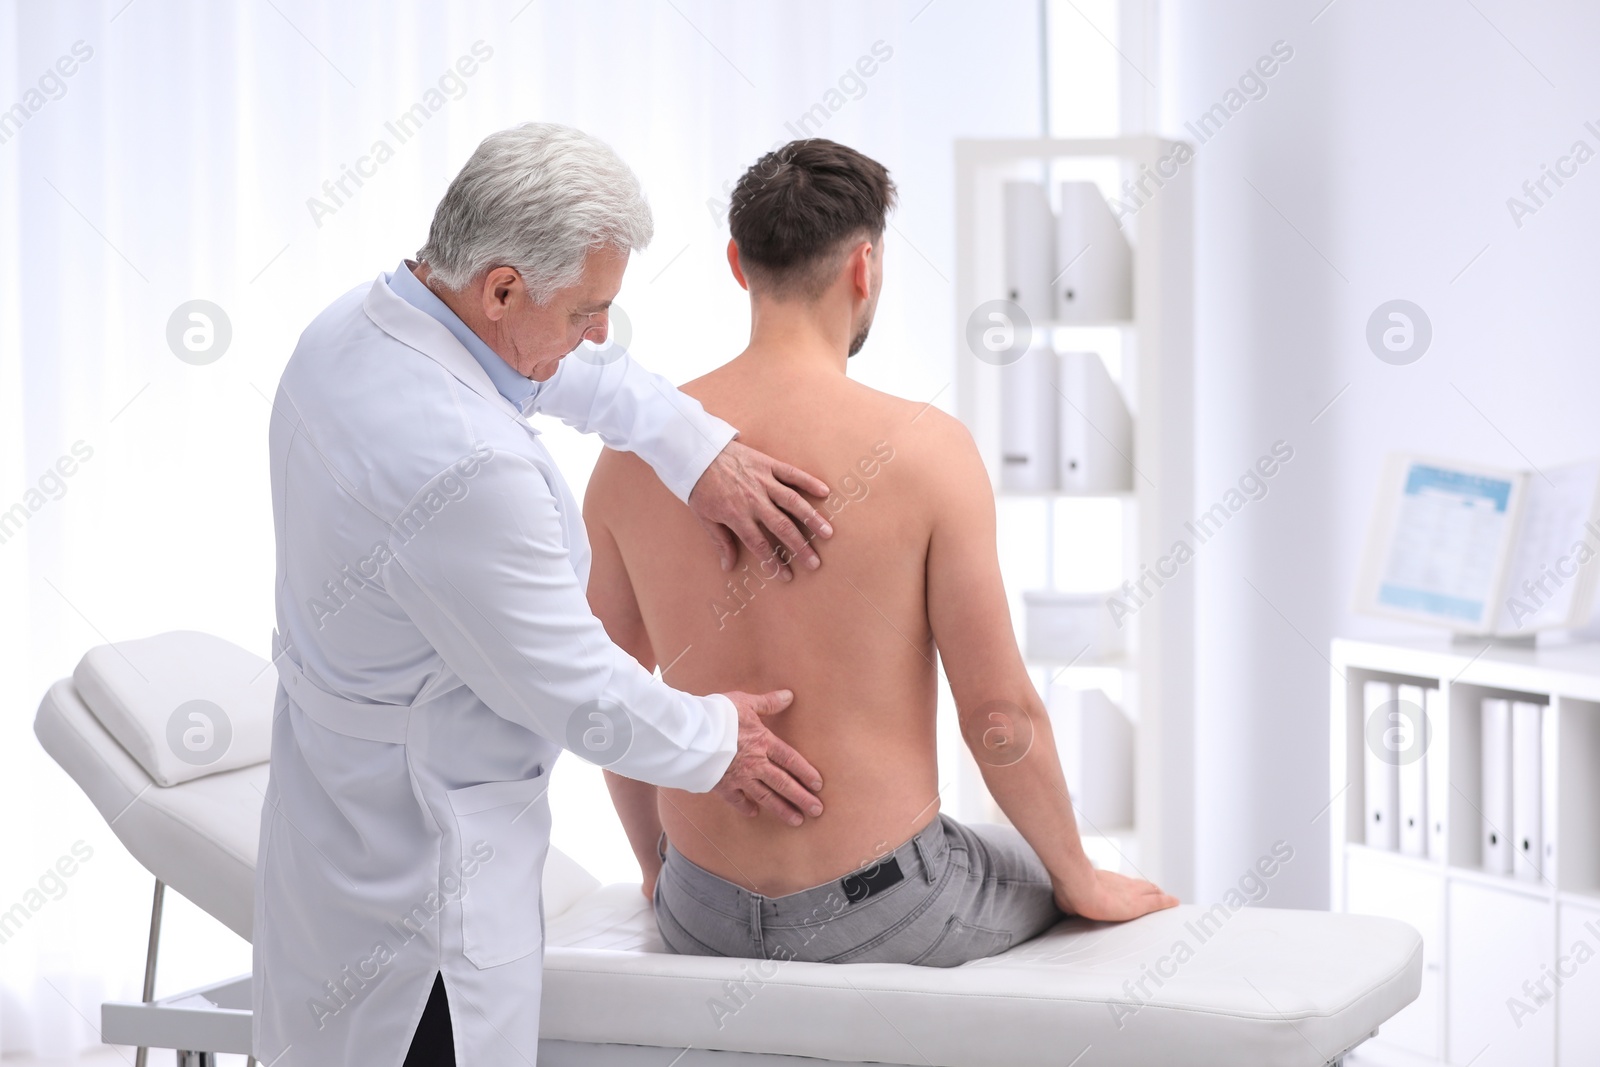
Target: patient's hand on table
1111,897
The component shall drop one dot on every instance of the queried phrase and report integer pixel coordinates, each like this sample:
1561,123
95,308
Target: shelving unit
1150,357
1484,935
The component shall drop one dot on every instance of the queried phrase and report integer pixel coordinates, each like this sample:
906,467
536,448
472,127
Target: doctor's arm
735,491
489,582
1002,718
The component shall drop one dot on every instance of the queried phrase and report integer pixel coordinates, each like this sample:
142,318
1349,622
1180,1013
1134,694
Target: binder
1527,789
1438,760
1412,757
1552,784
1095,741
1030,263
1495,799
1381,772
1096,428
1094,265
1028,396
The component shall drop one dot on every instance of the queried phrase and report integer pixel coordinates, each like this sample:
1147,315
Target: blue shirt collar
513,386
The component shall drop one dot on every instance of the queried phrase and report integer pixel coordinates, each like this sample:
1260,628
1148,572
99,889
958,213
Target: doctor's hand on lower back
1109,896
766,772
750,496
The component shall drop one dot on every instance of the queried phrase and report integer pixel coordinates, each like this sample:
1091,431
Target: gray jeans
952,893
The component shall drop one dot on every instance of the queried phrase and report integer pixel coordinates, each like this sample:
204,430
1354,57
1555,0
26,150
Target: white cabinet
1500,943
1511,967
1397,887
1578,998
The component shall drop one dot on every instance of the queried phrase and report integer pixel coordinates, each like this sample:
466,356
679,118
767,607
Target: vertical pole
1044,68
150,961
1050,502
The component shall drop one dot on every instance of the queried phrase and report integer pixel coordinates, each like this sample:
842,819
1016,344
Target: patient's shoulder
932,450
921,420
934,437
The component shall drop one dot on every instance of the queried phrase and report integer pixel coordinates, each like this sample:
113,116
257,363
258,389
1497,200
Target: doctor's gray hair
536,198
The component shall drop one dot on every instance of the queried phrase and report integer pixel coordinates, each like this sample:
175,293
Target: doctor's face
534,337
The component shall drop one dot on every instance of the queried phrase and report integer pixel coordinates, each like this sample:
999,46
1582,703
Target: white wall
177,163
1377,166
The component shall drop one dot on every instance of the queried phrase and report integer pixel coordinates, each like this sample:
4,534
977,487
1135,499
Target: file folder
1381,771
1438,760
1030,262
1094,263
1412,756
1028,434
1552,783
1527,789
1096,428
1095,741
1495,800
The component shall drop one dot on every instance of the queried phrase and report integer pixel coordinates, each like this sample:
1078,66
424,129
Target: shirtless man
912,575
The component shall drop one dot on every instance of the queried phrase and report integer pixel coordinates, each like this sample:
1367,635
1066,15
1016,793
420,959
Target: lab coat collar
415,328
513,386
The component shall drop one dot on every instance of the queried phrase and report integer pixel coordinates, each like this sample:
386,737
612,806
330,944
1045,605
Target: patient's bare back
852,639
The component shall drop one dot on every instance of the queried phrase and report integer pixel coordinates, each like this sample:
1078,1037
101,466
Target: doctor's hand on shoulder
766,772
748,495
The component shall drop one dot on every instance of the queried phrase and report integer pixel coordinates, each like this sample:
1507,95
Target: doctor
434,645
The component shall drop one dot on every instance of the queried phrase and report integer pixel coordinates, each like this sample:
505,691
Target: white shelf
1150,355
1580,900
1114,663
1100,324
1484,934
1062,494
1570,668
1501,883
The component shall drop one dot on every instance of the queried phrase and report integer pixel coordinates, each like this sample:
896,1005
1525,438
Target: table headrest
183,704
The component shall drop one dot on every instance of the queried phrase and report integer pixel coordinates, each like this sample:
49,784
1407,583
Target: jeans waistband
920,860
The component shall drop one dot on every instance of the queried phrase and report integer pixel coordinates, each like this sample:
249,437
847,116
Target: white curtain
201,151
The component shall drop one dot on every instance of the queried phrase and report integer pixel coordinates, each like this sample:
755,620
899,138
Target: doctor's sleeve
488,581
634,410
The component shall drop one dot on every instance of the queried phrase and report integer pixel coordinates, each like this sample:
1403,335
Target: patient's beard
860,339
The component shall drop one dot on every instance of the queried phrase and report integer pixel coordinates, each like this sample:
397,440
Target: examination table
1256,986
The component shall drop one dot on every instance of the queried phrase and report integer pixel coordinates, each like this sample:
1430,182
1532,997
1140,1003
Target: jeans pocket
960,942
504,828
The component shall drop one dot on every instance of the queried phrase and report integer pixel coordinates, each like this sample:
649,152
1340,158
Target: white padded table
1268,986
199,837
1263,986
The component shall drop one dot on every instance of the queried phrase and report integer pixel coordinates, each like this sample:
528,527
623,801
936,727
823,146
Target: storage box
1062,627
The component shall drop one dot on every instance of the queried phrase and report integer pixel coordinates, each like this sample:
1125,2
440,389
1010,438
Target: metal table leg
150,965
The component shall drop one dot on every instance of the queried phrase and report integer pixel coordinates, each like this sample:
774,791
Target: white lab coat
436,653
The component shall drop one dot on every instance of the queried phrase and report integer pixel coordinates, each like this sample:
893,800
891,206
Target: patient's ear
861,271
733,261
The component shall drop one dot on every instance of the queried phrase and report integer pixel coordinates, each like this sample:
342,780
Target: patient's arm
636,807
1001,713
612,600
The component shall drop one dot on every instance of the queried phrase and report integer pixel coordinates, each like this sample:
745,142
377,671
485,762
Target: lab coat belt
352,718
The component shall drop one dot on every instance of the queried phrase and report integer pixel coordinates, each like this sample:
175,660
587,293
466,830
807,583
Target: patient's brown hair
795,208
